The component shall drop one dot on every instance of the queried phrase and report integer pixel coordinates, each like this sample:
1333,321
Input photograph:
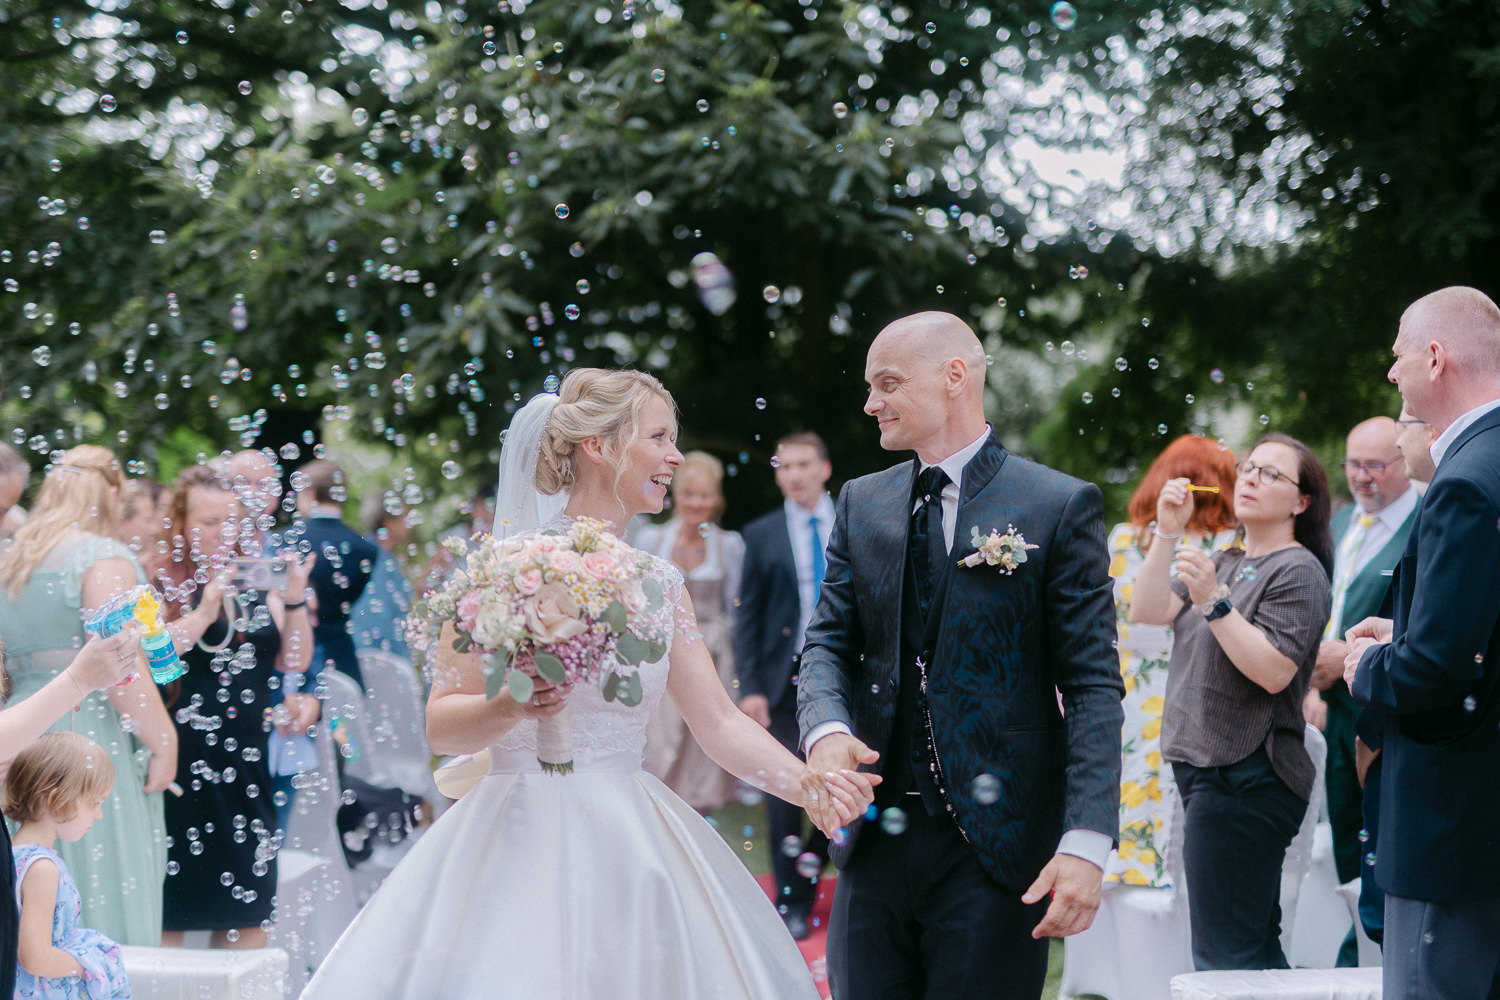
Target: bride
600,883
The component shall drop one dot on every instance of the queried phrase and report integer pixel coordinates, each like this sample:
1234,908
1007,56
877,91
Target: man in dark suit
1433,672
1370,534
785,552
997,811
345,561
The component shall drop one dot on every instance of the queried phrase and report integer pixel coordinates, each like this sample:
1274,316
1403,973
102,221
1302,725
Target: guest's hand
297,572
1074,884
1174,507
1379,629
1195,569
299,711
1357,647
834,754
102,663
1363,758
1315,710
161,765
758,707
1329,666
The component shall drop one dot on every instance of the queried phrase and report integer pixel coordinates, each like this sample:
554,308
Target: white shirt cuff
1090,845
821,730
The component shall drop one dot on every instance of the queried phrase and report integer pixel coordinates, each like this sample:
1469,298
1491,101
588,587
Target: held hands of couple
835,792
1075,886
1370,632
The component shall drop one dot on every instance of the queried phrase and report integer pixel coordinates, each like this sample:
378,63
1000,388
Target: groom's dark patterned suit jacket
1000,648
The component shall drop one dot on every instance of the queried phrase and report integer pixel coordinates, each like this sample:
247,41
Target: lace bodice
607,725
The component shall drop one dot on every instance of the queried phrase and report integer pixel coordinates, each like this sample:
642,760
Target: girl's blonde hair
52,775
76,495
594,402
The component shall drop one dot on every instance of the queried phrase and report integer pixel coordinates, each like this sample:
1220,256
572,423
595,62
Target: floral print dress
103,966
1148,796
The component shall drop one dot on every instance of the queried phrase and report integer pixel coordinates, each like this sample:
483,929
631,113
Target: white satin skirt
595,885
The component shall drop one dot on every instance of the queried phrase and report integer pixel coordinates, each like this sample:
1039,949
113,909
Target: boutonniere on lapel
1004,552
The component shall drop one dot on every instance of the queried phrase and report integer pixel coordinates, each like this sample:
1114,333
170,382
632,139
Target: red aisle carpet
815,947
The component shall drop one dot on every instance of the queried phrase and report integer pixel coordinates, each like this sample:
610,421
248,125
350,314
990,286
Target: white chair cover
1322,915
205,974
397,723
315,896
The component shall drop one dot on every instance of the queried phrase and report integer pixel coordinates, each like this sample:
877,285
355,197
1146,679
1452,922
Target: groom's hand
1074,884
835,753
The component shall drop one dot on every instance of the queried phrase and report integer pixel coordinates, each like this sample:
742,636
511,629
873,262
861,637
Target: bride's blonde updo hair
594,402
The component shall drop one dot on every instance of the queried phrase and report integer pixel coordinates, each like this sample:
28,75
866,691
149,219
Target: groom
997,811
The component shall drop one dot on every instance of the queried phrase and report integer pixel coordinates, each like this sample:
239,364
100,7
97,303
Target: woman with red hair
1147,794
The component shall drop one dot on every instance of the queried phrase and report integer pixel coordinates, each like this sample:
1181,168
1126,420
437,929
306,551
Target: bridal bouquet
569,608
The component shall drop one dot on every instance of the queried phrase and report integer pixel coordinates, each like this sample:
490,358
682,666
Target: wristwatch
1217,606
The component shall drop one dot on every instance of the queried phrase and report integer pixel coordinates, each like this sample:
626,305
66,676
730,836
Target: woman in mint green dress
63,560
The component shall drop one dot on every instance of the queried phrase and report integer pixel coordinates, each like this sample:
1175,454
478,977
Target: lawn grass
743,828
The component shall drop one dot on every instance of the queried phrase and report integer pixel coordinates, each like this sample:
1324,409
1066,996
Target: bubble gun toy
141,604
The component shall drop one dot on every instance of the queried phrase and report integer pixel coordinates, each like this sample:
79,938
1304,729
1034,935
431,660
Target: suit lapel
977,475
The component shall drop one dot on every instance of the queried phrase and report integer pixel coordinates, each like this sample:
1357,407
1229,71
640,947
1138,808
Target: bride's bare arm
738,743
460,718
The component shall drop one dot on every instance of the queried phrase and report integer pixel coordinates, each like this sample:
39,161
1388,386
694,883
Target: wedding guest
63,560
141,503
14,475
101,664
1246,627
56,790
785,559
377,619
1432,671
1147,792
1371,533
710,559
1414,441
345,560
235,652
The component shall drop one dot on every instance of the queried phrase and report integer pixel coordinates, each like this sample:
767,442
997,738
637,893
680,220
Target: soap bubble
1064,15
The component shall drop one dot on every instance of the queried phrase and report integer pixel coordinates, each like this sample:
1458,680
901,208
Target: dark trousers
1239,820
791,835
1371,896
1345,799
916,916
1441,951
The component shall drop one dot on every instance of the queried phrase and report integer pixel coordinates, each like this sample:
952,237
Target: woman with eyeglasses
1246,626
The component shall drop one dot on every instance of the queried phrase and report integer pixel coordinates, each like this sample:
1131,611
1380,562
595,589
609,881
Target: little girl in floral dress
55,789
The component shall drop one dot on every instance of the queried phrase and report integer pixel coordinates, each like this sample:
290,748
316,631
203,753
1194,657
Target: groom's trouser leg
915,917
794,890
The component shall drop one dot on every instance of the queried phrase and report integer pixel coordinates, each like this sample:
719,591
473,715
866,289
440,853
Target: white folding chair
1299,853
1322,920
395,709
315,895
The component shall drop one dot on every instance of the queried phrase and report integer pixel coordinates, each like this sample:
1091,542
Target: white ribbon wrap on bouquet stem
554,742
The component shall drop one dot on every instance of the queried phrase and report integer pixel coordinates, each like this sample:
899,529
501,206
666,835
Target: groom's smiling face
906,394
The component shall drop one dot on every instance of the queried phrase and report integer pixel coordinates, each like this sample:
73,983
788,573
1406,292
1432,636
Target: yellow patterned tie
1343,572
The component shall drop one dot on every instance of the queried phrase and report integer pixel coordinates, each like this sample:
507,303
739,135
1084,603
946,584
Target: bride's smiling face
649,460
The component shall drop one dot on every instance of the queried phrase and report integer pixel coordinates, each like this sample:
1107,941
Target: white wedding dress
596,885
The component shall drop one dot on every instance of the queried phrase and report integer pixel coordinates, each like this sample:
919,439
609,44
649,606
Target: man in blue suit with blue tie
1433,671
785,551
965,589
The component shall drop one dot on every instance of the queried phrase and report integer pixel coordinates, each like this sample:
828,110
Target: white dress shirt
1090,845
1445,440
1384,523
799,528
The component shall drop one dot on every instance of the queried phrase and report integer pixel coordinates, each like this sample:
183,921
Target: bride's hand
546,700
843,798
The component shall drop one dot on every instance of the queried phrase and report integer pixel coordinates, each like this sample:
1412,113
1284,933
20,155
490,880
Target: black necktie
925,540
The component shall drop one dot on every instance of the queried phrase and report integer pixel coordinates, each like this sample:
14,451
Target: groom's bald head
926,375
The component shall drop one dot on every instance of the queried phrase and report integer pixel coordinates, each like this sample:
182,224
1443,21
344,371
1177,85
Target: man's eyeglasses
1368,468
1269,474
1411,420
